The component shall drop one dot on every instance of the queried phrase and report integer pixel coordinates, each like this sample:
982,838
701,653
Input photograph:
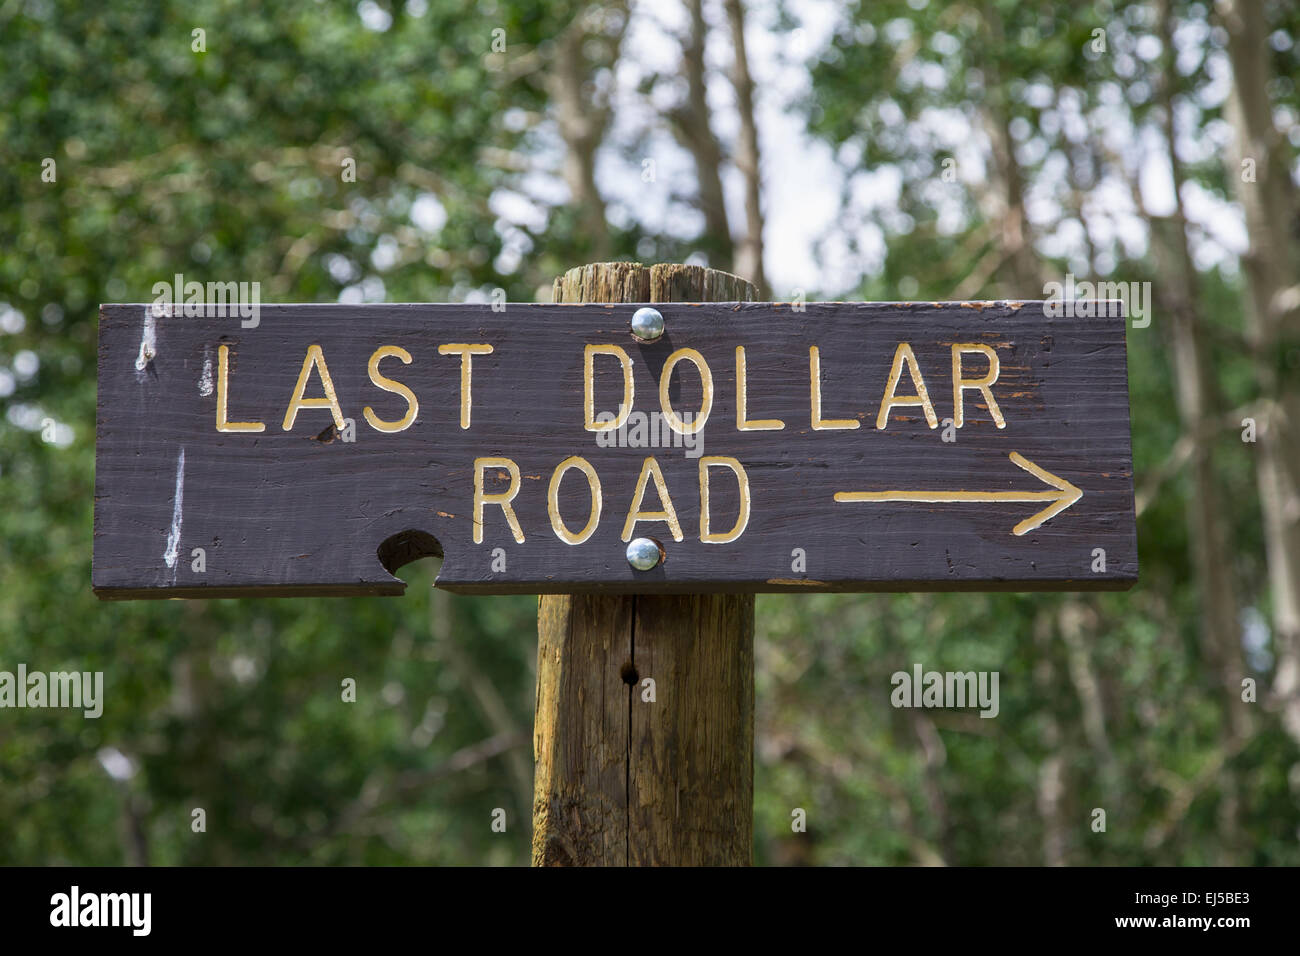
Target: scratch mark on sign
178,504
148,341
205,381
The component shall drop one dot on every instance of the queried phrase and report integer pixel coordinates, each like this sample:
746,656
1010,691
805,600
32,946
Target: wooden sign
759,446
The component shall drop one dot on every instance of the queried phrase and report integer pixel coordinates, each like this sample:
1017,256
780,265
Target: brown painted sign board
764,446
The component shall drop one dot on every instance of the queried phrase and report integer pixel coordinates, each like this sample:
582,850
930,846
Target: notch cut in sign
650,471
1065,495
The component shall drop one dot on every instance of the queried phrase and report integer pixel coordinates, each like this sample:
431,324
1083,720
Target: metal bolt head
647,324
643,553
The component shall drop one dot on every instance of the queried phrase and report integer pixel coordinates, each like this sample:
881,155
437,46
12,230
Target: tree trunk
582,121
749,254
622,780
1200,412
690,123
1019,274
1269,201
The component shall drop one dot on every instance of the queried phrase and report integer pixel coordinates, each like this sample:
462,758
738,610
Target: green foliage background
225,164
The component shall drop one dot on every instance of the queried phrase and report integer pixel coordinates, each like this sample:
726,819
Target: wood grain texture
302,512
691,766
678,768
580,733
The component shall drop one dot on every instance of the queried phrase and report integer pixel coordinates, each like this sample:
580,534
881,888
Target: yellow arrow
1065,495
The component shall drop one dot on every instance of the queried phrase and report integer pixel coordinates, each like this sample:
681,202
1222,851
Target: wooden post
622,781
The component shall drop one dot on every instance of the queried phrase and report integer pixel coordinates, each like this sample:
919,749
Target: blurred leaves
226,165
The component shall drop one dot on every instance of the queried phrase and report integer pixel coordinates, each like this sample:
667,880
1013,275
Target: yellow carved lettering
706,383
983,384
315,359
650,469
388,385
742,402
903,356
553,500
466,373
589,387
818,423
742,521
502,498
223,370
